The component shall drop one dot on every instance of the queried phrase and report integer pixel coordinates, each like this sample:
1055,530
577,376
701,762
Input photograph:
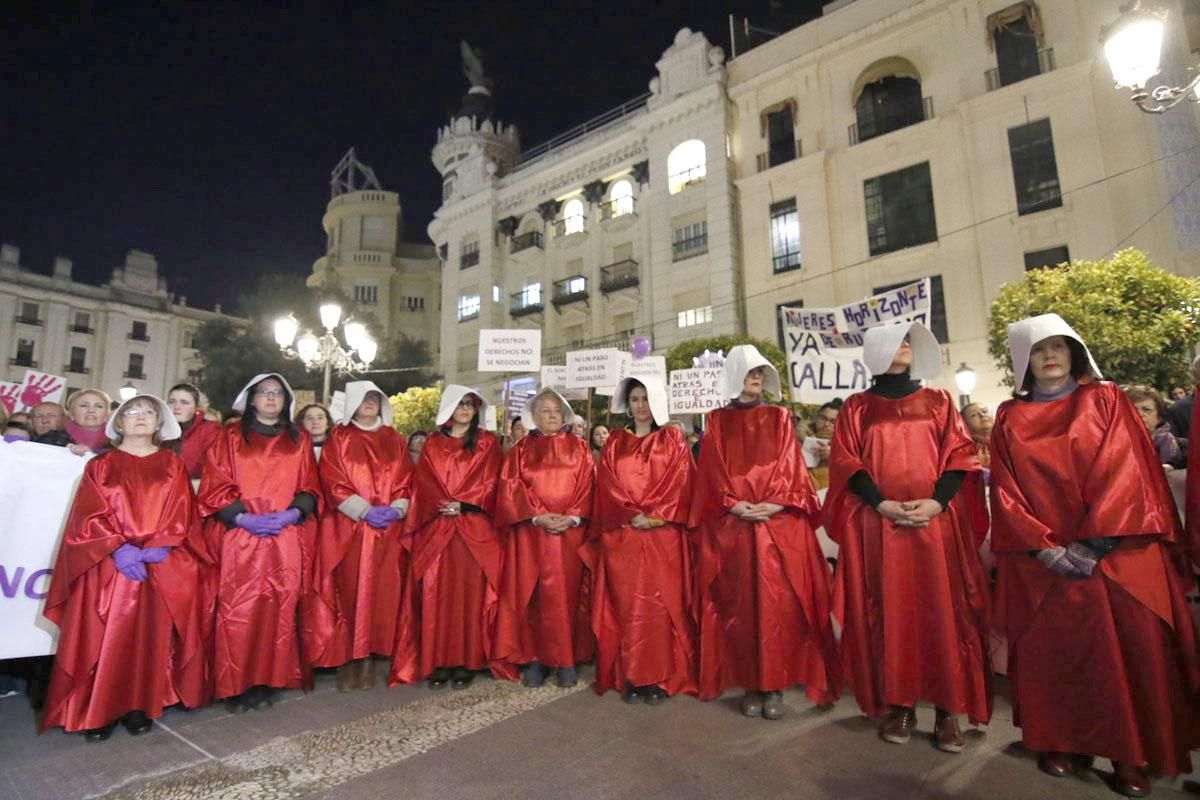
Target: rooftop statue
473,67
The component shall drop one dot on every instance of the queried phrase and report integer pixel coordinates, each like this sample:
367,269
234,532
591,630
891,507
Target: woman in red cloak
763,585
456,549
199,434
641,610
362,557
261,490
125,591
1102,650
547,481
910,589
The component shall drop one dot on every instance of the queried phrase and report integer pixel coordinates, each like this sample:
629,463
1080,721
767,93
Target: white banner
510,350
555,377
594,368
824,345
41,387
694,391
37,486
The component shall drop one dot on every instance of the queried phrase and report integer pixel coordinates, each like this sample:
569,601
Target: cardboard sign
41,387
510,350
694,391
555,377
10,391
650,366
337,406
594,368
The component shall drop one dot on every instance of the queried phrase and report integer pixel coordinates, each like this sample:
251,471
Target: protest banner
555,377
510,350
40,387
694,391
589,369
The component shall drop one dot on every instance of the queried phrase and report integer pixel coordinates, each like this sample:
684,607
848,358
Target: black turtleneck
894,386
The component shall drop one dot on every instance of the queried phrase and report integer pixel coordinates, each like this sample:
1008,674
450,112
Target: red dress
543,614
641,609
763,587
456,560
262,580
1104,665
913,602
195,444
360,570
128,645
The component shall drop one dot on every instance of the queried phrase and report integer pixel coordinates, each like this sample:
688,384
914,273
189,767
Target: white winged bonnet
1024,334
452,395
356,392
527,416
881,343
741,359
168,428
239,404
656,393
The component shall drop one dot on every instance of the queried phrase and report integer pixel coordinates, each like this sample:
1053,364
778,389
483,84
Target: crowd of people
240,565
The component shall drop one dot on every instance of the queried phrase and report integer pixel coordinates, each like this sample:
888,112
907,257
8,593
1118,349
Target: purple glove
287,517
1082,557
128,558
381,516
1060,561
153,555
260,524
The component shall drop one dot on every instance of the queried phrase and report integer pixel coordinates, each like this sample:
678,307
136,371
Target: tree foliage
415,409
680,356
1139,321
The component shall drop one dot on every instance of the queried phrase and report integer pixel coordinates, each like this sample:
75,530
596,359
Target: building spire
351,175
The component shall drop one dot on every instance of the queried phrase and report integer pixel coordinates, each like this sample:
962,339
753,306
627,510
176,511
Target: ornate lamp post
326,351
1133,49
127,392
964,376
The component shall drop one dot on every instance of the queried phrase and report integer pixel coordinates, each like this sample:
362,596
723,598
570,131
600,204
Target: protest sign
694,391
337,406
555,377
41,387
10,391
594,368
510,350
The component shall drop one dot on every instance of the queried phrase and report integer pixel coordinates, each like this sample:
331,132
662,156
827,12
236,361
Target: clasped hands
755,512
553,523
910,513
450,508
131,560
268,524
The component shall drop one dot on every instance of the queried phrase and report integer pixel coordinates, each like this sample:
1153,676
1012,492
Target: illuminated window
468,307
785,236
572,217
695,316
621,197
685,165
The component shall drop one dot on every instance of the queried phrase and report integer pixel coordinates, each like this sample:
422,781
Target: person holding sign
910,590
125,591
457,551
261,492
641,609
547,481
362,557
762,582
1102,649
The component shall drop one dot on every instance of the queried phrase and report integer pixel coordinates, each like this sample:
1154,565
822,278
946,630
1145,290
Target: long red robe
642,612
262,580
360,571
128,645
544,610
201,435
763,587
1104,665
913,602
455,586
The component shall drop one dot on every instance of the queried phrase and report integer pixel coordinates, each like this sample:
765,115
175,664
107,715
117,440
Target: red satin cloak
129,645
763,587
360,571
544,611
456,560
262,581
196,441
913,602
1104,665
642,612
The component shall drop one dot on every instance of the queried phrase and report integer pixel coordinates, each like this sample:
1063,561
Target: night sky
205,133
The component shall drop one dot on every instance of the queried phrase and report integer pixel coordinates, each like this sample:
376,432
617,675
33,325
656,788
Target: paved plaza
500,740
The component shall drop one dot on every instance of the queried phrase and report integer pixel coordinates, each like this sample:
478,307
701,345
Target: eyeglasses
269,393
139,412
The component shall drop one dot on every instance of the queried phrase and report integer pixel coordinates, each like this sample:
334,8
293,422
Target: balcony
622,340
618,207
138,337
82,329
77,369
135,374
570,231
469,258
997,79
900,115
689,177
570,290
526,241
780,155
525,302
23,361
620,275
24,320
686,248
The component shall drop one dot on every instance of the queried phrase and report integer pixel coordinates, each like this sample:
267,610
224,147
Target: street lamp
964,376
127,392
326,351
1133,49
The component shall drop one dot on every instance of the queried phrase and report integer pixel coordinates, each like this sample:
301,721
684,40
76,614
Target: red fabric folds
913,602
196,441
128,645
1105,665
262,581
360,571
762,587
455,586
642,613
544,610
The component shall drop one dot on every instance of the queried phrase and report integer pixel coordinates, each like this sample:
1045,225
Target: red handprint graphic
40,387
9,391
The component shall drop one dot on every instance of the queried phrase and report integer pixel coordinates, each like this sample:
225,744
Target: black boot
462,678
261,697
439,678
99,734
137,723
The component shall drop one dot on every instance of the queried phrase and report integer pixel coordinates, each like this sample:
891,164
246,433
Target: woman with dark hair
199,434
316,419
1149,403
362,557
642,612
126,587
597,438
762,582
456,549
1090,584
261,492
910,588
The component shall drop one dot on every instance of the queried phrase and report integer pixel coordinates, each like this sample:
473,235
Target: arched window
621,198
888,99
572,216
685,165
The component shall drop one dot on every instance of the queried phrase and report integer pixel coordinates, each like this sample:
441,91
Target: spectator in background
1178,393
979,423
597,439
1179,415
516,432
21,417
1150,405
816,446
47,417
314,418
88,410
416,443
199,434
579,428
16,432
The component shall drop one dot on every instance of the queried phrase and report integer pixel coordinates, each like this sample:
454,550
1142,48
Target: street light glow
286,329
355,332
964,376
367,348
127,392
1133,49
331,313
308,346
